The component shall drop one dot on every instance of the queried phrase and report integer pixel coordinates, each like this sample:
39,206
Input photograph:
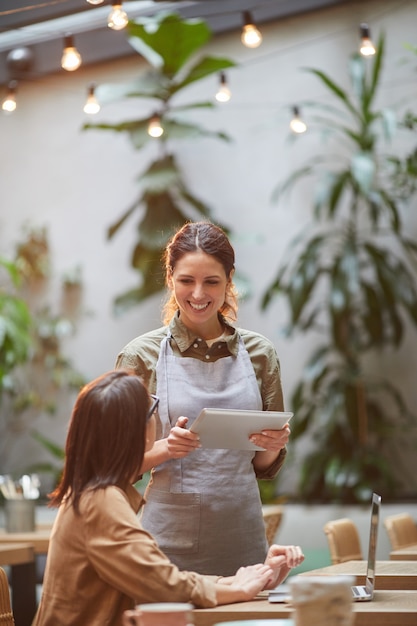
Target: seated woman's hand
251,580
281,559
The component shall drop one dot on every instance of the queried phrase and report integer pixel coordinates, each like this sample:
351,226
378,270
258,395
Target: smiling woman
203,505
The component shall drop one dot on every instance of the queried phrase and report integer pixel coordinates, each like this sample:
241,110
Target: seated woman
100,560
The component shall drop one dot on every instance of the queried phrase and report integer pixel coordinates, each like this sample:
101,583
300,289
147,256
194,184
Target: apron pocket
173,519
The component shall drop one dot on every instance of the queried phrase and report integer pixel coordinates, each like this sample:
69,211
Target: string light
9,103
367,48
297,125
117,18
251,37
91,106
155,128
71,58
223,94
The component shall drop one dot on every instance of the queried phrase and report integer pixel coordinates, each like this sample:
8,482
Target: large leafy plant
170,45
351,279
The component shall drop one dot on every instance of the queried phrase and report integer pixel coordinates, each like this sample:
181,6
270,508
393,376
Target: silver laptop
363,593
360,593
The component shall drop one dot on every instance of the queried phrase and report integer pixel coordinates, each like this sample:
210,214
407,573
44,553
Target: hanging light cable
251,37
297,125
155,128
71,58
91,107
117,18
9,103
367,48
223,93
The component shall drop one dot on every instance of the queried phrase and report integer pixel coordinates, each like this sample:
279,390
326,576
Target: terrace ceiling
42,25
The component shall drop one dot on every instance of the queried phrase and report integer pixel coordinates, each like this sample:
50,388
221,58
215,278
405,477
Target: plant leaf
167,41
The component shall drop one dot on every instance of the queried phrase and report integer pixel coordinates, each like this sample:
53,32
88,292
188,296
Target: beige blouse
103,562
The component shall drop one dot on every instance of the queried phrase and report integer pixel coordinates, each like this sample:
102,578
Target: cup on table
324,600
159,614
19,515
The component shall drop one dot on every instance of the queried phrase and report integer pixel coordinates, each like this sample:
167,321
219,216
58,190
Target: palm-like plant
351,278
167,42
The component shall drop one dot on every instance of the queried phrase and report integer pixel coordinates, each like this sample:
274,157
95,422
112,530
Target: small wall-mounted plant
38,377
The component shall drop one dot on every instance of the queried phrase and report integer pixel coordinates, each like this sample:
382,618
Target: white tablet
231,428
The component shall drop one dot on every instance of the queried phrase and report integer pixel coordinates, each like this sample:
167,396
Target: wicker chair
272,514
402,530
6,615
343,539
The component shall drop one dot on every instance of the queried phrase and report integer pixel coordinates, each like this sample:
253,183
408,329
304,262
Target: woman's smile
198,307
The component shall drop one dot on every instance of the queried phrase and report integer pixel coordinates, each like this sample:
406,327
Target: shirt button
207,356
195,345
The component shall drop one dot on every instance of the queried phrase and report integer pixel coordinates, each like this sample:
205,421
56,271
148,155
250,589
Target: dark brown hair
212,240
106,437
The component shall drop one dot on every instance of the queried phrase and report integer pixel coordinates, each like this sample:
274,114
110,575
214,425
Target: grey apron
204,510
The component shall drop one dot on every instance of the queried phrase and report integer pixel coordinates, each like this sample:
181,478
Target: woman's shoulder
109,498
251,337
147,341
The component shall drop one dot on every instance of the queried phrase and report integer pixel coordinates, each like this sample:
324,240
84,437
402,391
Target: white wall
77,183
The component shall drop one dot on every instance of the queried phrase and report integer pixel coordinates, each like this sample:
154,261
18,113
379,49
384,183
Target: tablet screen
231,428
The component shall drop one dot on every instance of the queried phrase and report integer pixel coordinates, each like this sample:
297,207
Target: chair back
401,529
6,615
272,514
343,539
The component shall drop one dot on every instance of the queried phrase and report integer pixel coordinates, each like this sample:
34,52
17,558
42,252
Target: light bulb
297,125
223,94
117,17
95,1
91,106
251,37
367,48
71,58
9,103
155,127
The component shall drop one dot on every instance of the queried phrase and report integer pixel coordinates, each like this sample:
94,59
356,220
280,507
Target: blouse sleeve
128,558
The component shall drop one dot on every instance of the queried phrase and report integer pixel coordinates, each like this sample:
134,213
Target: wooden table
388,608
388,574
21,559
39,538
23,576
404,554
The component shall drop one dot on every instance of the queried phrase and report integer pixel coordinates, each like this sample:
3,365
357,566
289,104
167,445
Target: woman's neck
206,331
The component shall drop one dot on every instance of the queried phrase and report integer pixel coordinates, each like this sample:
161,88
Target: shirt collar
184,338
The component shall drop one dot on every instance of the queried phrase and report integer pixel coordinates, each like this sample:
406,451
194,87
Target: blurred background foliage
350,278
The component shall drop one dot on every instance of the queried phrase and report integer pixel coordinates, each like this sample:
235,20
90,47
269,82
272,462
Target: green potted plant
171,45
350,278
15,324
36,377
